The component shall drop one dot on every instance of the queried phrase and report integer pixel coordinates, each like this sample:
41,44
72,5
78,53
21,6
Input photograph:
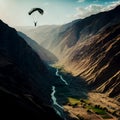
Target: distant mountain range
25,82
89,48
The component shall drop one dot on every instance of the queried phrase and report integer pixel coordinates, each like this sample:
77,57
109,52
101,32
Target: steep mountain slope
44,54
97,60
18,99
85,28
91,49
14,47
25,85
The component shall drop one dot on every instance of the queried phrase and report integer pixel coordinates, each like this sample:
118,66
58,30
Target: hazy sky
15,12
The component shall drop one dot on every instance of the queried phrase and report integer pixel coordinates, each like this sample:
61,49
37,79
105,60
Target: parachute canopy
36,9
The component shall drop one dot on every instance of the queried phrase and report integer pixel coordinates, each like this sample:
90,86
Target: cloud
82,12
81,1
111,6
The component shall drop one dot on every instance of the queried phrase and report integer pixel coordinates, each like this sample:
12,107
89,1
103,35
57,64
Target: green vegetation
73,101
99,111
96,109
85,103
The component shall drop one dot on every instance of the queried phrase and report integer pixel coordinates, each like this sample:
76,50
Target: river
57,74
58,108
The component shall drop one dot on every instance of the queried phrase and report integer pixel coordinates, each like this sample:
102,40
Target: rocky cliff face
95,56
90,49
24,83
85,28
97,60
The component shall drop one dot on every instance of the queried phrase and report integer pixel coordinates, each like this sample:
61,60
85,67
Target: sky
15,12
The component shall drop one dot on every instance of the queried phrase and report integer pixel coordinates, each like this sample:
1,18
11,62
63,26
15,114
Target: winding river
57,74
58,108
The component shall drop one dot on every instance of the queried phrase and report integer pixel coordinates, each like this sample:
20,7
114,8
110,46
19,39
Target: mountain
18,99
25,85
44,54
85,28
95,53
97,60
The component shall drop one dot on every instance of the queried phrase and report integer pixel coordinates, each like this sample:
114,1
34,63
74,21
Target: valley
95,106
62,72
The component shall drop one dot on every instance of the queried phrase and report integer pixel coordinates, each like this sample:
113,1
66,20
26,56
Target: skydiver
35,23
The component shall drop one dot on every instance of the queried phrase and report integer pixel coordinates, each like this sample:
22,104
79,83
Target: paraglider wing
36,9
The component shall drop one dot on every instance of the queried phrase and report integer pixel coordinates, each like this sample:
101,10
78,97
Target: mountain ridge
25,84
96,60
